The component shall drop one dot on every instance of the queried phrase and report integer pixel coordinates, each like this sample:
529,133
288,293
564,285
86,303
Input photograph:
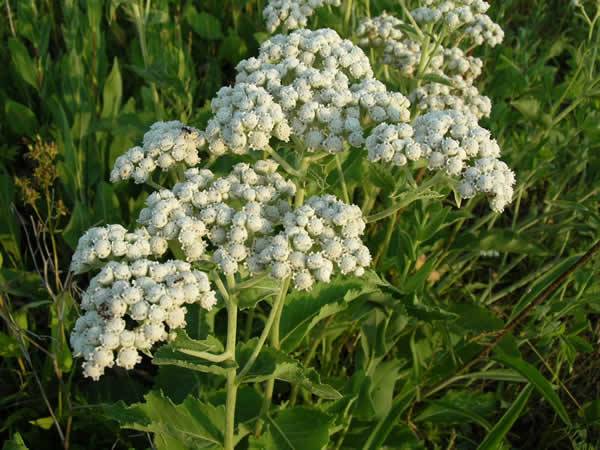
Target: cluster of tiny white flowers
164,145
244,118
325,87
100,244
378,31
461,97
148,294
491,177
292,14
226,212
320,238
458,69
449,140
465,16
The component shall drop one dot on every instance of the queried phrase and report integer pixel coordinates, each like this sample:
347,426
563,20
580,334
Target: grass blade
495,436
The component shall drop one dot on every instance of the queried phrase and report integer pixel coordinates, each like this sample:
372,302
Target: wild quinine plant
259,228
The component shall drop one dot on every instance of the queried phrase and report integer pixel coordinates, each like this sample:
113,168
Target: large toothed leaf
271,362
298,428
191,424
304,310
182,352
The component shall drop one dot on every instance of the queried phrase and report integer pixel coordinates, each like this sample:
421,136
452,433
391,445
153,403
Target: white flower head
164,145
130,306
319,239
325,87
292,14
451,141
245,117
224,214
100,244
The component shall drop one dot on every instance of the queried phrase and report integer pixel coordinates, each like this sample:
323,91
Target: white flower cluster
452,64
100,244
461,97
131,306
292,14
164,145
225,213
450,141
244,118
325,87
378,31
319,238
463,16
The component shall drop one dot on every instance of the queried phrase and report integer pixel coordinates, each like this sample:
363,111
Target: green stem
338,163
232,385
275,343
275,312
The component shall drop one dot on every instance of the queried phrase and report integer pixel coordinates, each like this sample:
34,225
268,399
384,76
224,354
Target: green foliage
405,357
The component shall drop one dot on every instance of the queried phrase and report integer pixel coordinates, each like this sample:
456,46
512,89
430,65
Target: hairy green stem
275,343
232,385
275,312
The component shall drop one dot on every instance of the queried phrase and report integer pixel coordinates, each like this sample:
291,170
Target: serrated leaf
298,428
191,424
274,363
304,310
174,354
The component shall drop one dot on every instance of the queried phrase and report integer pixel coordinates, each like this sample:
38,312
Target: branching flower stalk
307,96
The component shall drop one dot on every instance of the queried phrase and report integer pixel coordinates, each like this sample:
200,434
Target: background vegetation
463,352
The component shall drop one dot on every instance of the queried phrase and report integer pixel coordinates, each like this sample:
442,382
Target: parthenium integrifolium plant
310,94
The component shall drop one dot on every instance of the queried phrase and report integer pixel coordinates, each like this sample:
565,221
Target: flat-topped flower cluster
309,91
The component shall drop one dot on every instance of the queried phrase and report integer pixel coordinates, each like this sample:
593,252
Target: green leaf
20,118
274,363
457,407
298,428
435,78
9,347
15,443
112,92
23,63
106,204
21,284
79,222
174,354
43,422
59,313
192,424
537,380
10,232
386,424
501,428
541,284
304,310
529,107
233,49
204,24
